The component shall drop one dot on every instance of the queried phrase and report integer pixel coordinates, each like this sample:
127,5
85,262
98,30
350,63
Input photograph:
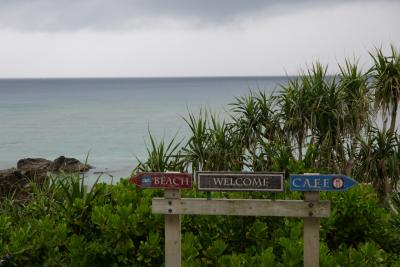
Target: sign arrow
320,182
162,180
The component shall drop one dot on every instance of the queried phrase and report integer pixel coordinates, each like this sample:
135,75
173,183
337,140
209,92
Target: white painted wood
172,233
311,233
241,207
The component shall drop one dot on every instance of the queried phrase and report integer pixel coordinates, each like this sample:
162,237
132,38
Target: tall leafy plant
358,99
378,161
386,82
294,104
195,150
247,125
213,144
161,157
328,111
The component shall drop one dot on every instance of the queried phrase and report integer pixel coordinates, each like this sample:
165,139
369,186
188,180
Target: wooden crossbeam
242,207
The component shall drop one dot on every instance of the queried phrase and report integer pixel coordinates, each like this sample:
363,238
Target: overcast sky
136,38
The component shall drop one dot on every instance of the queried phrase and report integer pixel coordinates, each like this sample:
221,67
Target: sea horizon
108,118
145,77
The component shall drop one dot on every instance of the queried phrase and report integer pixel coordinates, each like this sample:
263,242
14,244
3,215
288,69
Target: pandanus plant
246,121
358,98
195,150
255,123
326,116
313,111
225,152
378,161
328,111
213,145
294,105
386,83
161,157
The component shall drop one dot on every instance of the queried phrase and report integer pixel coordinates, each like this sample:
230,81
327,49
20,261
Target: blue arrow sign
320,182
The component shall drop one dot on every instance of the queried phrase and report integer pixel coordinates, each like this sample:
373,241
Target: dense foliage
112,225
325,123
314,123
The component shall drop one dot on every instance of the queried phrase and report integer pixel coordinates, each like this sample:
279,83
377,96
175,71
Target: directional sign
239,181
320,182
162,180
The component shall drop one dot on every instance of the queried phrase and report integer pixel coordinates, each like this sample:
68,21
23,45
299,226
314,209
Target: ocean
108,119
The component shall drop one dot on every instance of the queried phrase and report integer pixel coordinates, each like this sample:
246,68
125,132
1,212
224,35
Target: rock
69,165
11,180
16,181
34,165
34,169
38,164
10,175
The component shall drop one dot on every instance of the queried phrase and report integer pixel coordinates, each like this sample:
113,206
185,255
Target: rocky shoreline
16,181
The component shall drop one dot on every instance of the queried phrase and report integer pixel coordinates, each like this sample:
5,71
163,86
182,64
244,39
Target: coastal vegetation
314,123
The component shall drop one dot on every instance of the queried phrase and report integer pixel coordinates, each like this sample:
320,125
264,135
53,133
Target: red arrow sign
162,180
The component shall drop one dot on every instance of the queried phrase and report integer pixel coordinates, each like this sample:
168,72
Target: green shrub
116,227
367,254
356,218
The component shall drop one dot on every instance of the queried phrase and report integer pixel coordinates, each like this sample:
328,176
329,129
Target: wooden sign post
172,232
311,184
173,206
311,209
311,233
172,183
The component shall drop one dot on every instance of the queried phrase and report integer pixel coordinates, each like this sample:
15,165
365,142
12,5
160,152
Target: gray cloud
71,15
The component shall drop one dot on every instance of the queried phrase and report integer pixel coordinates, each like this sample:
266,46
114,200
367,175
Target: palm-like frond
161,156
378,161
386,82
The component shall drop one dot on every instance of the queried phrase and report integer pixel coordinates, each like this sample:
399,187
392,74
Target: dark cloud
70,15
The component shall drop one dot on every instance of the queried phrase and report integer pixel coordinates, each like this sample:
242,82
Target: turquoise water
107,118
